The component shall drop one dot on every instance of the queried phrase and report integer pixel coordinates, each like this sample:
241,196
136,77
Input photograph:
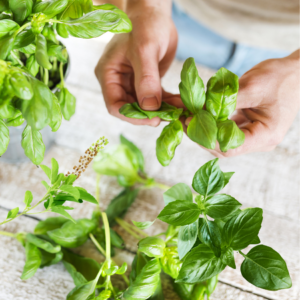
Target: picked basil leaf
179,191
77,277
152,246
40,243
242,228
187,237
266,269
168,141
229,135
203,129
192,90
33,261
49,224
129,110
49,259
221,94
199,265
179,213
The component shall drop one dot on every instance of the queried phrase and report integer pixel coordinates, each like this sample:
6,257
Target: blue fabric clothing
214,51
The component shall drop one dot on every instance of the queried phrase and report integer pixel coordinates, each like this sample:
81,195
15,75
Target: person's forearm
135,6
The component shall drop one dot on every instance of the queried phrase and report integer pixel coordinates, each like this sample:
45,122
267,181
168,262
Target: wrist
135,8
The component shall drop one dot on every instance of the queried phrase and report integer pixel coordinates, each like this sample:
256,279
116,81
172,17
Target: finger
146,77
172,99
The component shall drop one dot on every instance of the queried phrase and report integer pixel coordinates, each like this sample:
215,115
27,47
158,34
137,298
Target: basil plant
33,62
207,125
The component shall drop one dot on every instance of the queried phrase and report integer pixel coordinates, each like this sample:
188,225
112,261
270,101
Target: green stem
97,244
46,76
112,288
240,252
162,186
22,27
8,234
61,72
136,229
12,53
127,228
107,244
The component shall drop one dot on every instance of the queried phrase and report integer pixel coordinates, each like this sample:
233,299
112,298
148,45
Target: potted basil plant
34,63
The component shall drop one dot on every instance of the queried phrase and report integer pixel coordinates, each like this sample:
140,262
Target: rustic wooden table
268,180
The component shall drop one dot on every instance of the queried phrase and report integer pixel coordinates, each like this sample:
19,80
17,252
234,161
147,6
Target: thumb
148,89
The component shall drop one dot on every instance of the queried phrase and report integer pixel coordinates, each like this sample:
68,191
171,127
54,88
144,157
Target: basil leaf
33,261
24,39
221,94
227,177
146,282
15,121
3,5
242,228
71,190
138,155
179,213
228,258
49,259
209,179
123,269
187,237
6,26
120,204
266,269
179,191
221,206
72,235
50,8
40,243
143,225
49,224
168,141
130,111
210,235
77,277
76,8
192,90
46,170
84,195
6,45
60,210
170,262
12,213
57,51
203,129
32,65
54,170
199,265
152,246
33,145
21,9
124,24
255,241
28,198
4,137
41,54
22,88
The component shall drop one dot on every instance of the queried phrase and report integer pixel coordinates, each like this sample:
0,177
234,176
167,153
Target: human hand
132,64
267,104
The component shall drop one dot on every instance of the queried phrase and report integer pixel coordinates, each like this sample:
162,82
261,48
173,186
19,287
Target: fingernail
150,102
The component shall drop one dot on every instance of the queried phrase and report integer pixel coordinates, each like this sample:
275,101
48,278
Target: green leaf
203,129
6,26
30,49
199,265
221,94
67,103
70,179
24,39
138,155
40,243
152,246
57,51
179,191
116,240
71,190
21,9
21,87
4,137
6,45
129,110
76,8
266,269
54,170
120,204
168,141
227,177
187,237
46,170
32,65
179,213
33,145
221,206
12,213
209,179
49,224
146,282
84,195
49,259
143,225
33,261
50,8
210,235
28,198
229,135
111,271
77,277
3,5
72,235
242,228
170,262
192,90
123,269
41,54
61,211
228,258
255,241
15,121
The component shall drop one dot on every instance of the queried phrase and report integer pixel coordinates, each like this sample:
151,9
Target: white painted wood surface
268,180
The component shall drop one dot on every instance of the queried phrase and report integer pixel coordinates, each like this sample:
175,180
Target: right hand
132,64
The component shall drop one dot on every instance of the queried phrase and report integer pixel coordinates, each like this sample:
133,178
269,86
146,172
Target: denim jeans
214,51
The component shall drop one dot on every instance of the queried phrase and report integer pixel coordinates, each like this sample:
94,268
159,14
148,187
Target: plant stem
97,244
162,186
107,244
61,72
22,27
8,234
125,226
135,228
46,76
240,252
